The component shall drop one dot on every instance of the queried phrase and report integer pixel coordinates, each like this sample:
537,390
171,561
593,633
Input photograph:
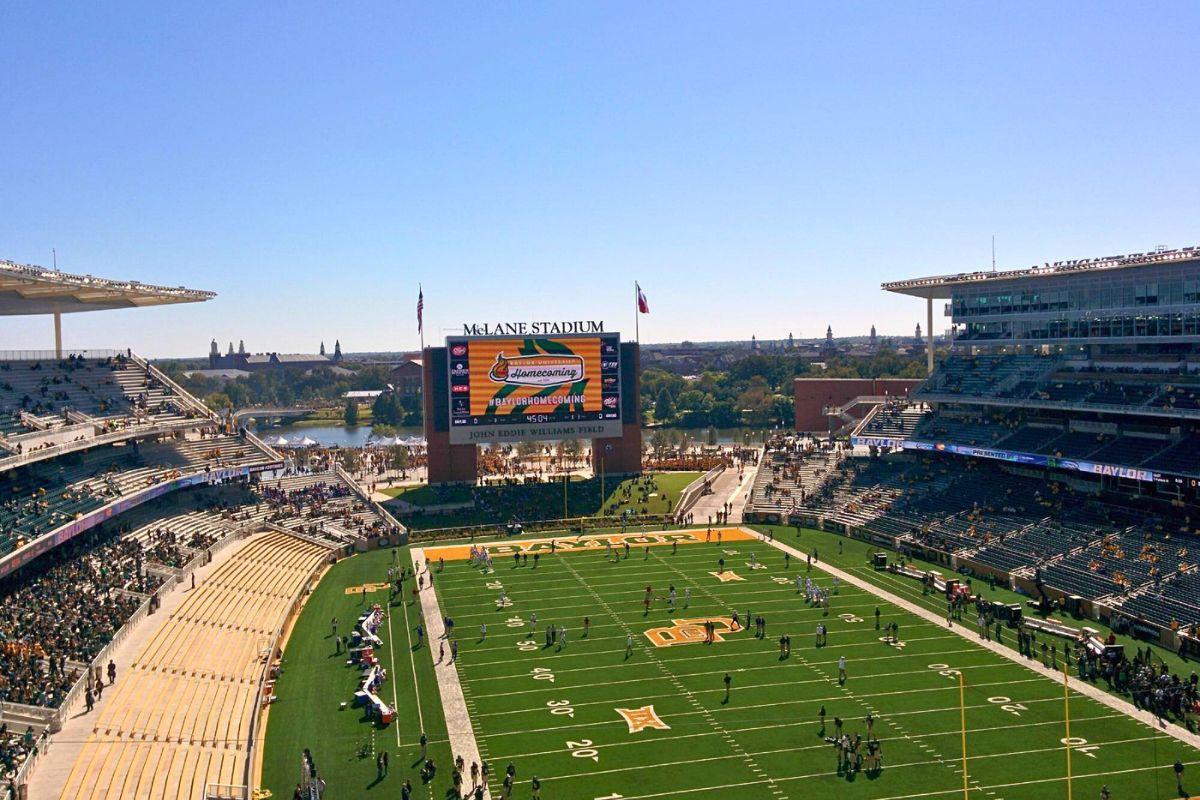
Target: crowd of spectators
66,606
16,746
61,610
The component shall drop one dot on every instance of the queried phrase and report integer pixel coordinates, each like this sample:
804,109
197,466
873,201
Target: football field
594,718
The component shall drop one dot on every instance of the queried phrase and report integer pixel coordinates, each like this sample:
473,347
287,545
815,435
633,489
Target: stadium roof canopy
943,286
27,289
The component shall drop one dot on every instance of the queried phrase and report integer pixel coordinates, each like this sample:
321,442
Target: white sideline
454,703
968,632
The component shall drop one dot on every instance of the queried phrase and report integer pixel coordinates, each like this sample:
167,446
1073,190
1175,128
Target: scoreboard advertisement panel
508,389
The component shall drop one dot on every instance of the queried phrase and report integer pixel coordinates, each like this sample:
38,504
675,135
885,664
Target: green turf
315,681
425,495
764,741
668,487
583,499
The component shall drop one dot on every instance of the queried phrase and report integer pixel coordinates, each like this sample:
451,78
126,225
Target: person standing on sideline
841,669
424,744
728,684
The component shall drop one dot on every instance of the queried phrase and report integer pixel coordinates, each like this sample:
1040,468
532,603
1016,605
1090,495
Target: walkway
727,488
454,703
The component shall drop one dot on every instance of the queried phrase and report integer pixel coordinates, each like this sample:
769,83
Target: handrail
260,444
695,490
176,389
375,505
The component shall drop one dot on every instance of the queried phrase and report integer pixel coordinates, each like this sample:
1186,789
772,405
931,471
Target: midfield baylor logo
691,631
639,719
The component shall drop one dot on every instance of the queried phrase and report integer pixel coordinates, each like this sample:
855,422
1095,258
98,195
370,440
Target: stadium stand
323,506
183,714
42,497
67,606
892,420
1076,542
792,469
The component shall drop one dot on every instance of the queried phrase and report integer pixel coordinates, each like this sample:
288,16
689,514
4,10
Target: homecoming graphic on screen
555,387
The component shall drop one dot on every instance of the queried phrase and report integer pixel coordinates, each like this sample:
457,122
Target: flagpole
424,359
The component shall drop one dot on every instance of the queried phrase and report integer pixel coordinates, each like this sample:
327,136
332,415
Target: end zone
462,552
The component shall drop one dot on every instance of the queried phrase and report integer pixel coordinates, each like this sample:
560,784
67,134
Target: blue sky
760,168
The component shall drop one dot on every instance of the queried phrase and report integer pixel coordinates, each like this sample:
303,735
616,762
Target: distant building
829,347
255,362
406,378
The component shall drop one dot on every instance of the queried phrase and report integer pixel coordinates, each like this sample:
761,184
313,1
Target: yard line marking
1079,687
775,665
891,715
791,725
412,662
704,712
645,698
1074,777
936,760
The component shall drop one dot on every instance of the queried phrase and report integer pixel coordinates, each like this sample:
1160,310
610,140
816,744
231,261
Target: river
345,436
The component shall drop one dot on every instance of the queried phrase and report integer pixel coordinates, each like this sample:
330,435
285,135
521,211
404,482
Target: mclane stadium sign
536,328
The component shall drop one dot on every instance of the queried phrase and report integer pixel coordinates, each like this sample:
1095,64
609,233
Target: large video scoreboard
508,389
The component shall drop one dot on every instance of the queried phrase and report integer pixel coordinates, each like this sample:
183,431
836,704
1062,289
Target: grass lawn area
583,498
315,681
668,486
556,712
426,495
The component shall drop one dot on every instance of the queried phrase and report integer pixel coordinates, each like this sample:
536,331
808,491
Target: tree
756,402
350,458
660,440
664,405
350,414
388,409
400,457
218,401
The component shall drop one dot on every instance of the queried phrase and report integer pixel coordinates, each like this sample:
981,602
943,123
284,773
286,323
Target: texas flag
642,304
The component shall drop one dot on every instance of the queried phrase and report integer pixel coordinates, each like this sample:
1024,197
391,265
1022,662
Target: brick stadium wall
811,395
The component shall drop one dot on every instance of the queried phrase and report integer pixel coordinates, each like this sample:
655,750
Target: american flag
420,309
